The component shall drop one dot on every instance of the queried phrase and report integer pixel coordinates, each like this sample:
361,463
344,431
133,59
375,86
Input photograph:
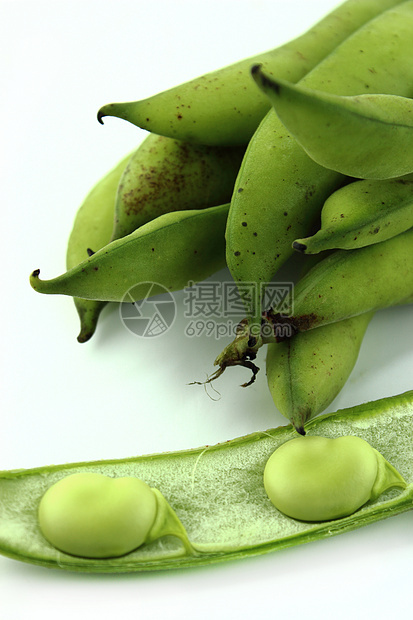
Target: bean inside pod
315,478
95,516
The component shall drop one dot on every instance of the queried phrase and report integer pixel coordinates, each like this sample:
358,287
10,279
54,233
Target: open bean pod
218,495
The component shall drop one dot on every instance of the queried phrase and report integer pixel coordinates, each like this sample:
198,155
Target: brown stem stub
278,327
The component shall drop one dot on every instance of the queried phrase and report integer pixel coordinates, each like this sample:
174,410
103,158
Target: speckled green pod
217,493
160,176
165,175
280,190
348,283
92,229
223,107
360,214
170,251
306,372
345,284
365,136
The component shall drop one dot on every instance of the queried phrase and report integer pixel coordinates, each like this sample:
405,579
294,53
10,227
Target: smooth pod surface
95,516
92,230
223,107
368,136
217,493
362,213
318,478
170,251
306,372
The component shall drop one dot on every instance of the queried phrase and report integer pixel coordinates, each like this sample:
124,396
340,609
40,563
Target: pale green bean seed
92,515
315,478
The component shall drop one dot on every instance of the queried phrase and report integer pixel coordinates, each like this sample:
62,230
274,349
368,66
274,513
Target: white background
118,395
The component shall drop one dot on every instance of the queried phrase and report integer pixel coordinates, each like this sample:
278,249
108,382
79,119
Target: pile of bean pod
307,148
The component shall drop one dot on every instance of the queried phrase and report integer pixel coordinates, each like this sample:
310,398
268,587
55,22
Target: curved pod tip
300,247
34,278
255,69
262,81
118,110
85,334
105,110
37,283
100,116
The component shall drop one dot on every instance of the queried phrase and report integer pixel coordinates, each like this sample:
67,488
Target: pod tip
100,116
84,335
35,280
300,430
300,247
258,76
255,68
263,81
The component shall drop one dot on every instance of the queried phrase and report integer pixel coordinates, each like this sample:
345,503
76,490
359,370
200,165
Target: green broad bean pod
165,175
218,495
160,176
171,251
345,284
348,283
365,136
360,214
92,229
222,107
306,372
280,190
